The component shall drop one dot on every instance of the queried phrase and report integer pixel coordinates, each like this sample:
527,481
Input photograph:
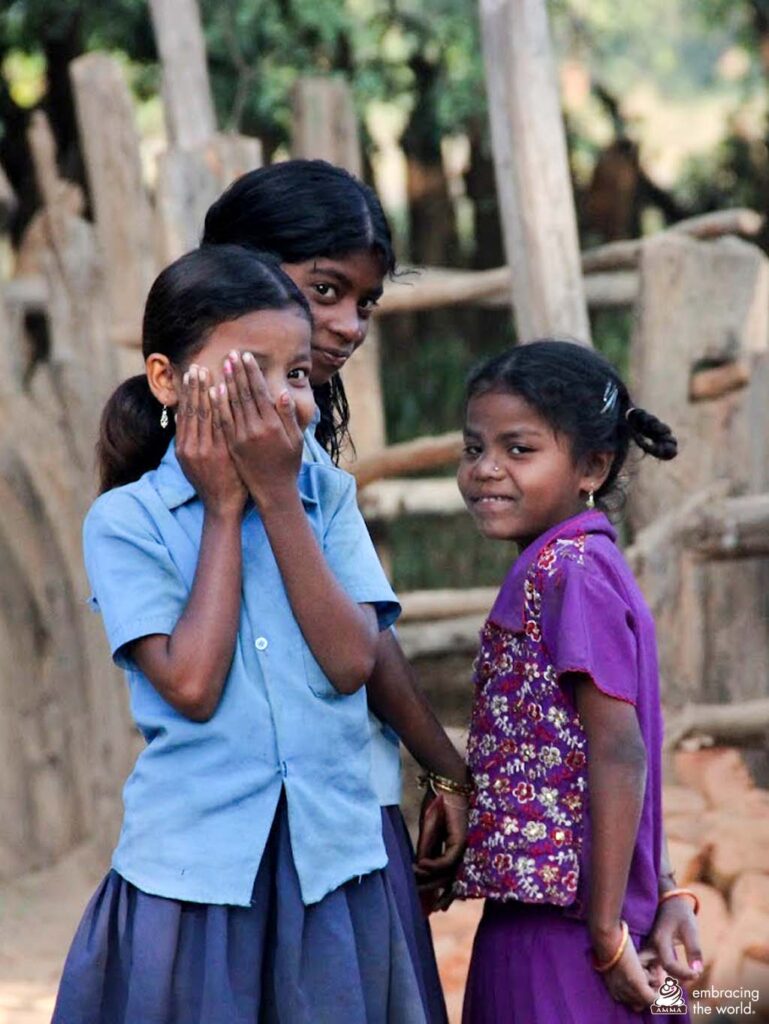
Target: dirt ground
39,913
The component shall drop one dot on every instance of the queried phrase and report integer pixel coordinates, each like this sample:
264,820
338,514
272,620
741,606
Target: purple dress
569,604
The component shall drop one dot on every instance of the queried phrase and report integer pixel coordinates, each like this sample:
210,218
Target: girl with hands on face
241,594
265,440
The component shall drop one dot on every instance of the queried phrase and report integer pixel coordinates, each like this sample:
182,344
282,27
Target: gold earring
164,417
590,498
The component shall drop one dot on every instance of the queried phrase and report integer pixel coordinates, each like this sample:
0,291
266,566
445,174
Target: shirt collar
509,608
175,489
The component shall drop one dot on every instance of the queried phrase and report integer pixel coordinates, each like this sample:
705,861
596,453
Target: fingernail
186,378
227,366
697,966
247,357
222,389
285,398
203,372
234,356
212,393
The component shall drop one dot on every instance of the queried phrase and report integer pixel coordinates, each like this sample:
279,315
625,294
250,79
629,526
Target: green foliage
670,42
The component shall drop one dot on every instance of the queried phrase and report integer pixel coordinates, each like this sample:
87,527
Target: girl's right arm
189,667
395,697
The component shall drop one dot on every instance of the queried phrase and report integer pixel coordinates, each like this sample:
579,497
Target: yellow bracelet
602,968
681,892
439,783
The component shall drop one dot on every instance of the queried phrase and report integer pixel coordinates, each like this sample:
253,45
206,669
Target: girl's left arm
266,444
616,782
675,924
340,633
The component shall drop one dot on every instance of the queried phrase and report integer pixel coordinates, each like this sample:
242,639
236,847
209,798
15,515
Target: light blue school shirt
385,743
201,799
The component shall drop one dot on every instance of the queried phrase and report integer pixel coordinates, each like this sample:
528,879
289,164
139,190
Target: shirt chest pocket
317,680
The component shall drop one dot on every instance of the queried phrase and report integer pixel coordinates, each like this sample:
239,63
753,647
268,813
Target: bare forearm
344,638
616,788
667,878
189,667
616,784
395,697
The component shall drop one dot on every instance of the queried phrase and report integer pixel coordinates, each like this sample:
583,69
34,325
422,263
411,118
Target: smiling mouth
492,501
332,356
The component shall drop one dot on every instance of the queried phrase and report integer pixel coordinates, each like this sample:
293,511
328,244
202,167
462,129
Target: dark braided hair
581,396
299,210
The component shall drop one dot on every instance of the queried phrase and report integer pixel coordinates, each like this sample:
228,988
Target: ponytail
131,439
651,435
188,300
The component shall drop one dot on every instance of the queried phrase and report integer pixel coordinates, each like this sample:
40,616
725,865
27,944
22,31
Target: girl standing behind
247,883
332,238
565,831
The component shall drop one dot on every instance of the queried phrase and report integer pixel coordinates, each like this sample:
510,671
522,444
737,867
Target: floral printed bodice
527,754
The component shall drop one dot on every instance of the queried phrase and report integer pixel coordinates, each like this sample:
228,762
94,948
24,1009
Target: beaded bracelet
439,783
602,968
681,892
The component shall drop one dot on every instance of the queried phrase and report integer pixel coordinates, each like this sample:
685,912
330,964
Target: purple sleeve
587,627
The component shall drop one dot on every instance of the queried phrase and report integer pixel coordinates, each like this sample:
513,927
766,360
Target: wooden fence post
704,304
189,107
532,172
64,728
121,206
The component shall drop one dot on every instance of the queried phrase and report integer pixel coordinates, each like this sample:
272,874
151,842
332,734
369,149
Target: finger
257,384
657,975
444,902
431,828
286,410
691,940
224,410
233,397
429,882
180,419
204,410
662,941
193,407
451,855
253,410
217,436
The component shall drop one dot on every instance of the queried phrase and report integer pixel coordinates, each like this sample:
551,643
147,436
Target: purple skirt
532,965
362,955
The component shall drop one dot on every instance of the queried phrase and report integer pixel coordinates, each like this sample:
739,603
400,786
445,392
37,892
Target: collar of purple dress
509,608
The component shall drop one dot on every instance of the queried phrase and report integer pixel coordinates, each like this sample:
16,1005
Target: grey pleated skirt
362,955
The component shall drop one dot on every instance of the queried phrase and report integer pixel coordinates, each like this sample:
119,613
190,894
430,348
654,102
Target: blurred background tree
661,124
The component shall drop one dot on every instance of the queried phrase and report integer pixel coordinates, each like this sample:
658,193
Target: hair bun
652,435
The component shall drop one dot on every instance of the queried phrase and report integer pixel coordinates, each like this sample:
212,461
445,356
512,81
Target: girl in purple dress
565,837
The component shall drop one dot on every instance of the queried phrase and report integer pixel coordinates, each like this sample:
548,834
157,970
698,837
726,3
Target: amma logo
670,1000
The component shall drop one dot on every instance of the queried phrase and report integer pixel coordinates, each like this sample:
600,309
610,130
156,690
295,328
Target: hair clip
610,393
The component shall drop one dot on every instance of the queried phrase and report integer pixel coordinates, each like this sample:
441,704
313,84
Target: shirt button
261,643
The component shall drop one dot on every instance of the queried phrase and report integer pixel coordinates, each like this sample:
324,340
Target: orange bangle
602,968
681,892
